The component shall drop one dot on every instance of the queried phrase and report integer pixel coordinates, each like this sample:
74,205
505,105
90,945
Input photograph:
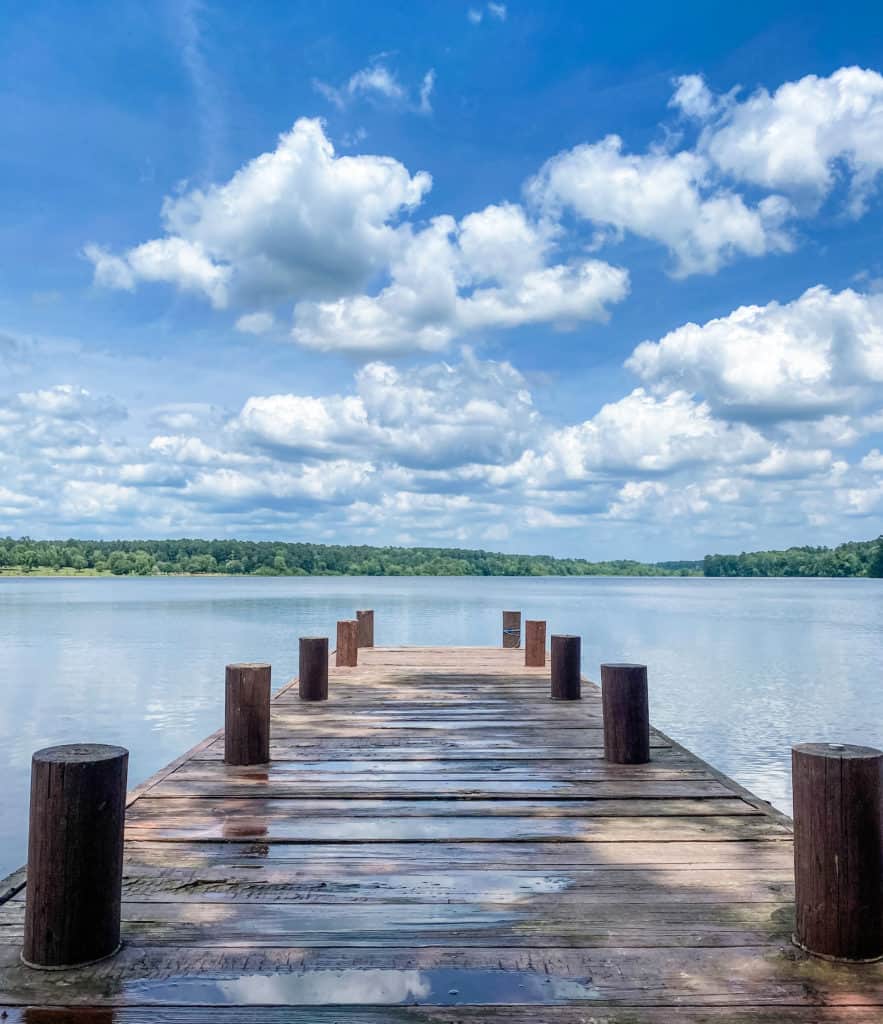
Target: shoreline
93,574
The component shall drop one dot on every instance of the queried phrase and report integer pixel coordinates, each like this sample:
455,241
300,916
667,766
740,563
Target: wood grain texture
247,714
838,849
312,668
75,854
365,635
626,713
347,653
511,630
439,832
534,643
566,682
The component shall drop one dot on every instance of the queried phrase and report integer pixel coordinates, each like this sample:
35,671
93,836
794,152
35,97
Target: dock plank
440,842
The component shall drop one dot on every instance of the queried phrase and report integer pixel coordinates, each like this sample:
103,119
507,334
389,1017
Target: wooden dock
441,842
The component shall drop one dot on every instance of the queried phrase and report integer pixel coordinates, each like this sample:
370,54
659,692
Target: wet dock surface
441,842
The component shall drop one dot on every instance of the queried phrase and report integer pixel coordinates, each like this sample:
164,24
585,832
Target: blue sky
602,282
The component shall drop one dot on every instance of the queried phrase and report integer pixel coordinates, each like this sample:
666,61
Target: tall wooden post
534,643
312,676
838,850
566,658
247,714
365,620
626,713
511,629
75,855
347,643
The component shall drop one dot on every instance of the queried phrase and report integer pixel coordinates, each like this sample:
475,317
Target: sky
598,281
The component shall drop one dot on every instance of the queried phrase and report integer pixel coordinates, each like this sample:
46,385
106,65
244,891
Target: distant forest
270,558
857,558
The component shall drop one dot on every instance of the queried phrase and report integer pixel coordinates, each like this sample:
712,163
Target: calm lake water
739,669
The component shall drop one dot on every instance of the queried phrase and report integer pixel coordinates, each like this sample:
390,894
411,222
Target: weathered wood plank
353,787
348,859
562,768
280,828
571,768
536,922
527,733
12,886
395,747
198,808
750,977
456,1014
296,883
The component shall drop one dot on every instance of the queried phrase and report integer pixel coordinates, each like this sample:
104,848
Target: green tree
202,563
119,563
24,555
875,566
142,563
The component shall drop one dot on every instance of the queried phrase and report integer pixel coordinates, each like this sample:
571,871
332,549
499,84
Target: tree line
270,558
857,558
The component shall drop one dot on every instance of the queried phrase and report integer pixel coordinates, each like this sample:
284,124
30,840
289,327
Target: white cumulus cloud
490,271
437,416
295,221
672,199
801,136
820,354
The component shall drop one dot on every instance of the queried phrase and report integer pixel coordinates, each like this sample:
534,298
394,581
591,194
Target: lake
739,669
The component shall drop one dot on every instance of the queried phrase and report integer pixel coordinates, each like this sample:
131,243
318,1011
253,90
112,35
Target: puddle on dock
436,986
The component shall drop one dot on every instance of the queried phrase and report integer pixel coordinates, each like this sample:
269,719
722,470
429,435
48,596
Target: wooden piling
626,713
247,714
312,676
365,620
566,657
511,629
534,643
347,643
838,850
75,855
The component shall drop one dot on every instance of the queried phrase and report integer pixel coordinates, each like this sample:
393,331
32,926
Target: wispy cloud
379,83
492,10
186,19
426,88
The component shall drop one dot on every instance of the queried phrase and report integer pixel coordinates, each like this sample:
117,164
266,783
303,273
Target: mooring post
511,629
566,657
534,643
247,714
626,712
312,674
838,850
365,620
75,855
347,643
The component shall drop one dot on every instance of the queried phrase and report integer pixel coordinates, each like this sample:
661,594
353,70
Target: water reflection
41,1015
739,669
437,986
